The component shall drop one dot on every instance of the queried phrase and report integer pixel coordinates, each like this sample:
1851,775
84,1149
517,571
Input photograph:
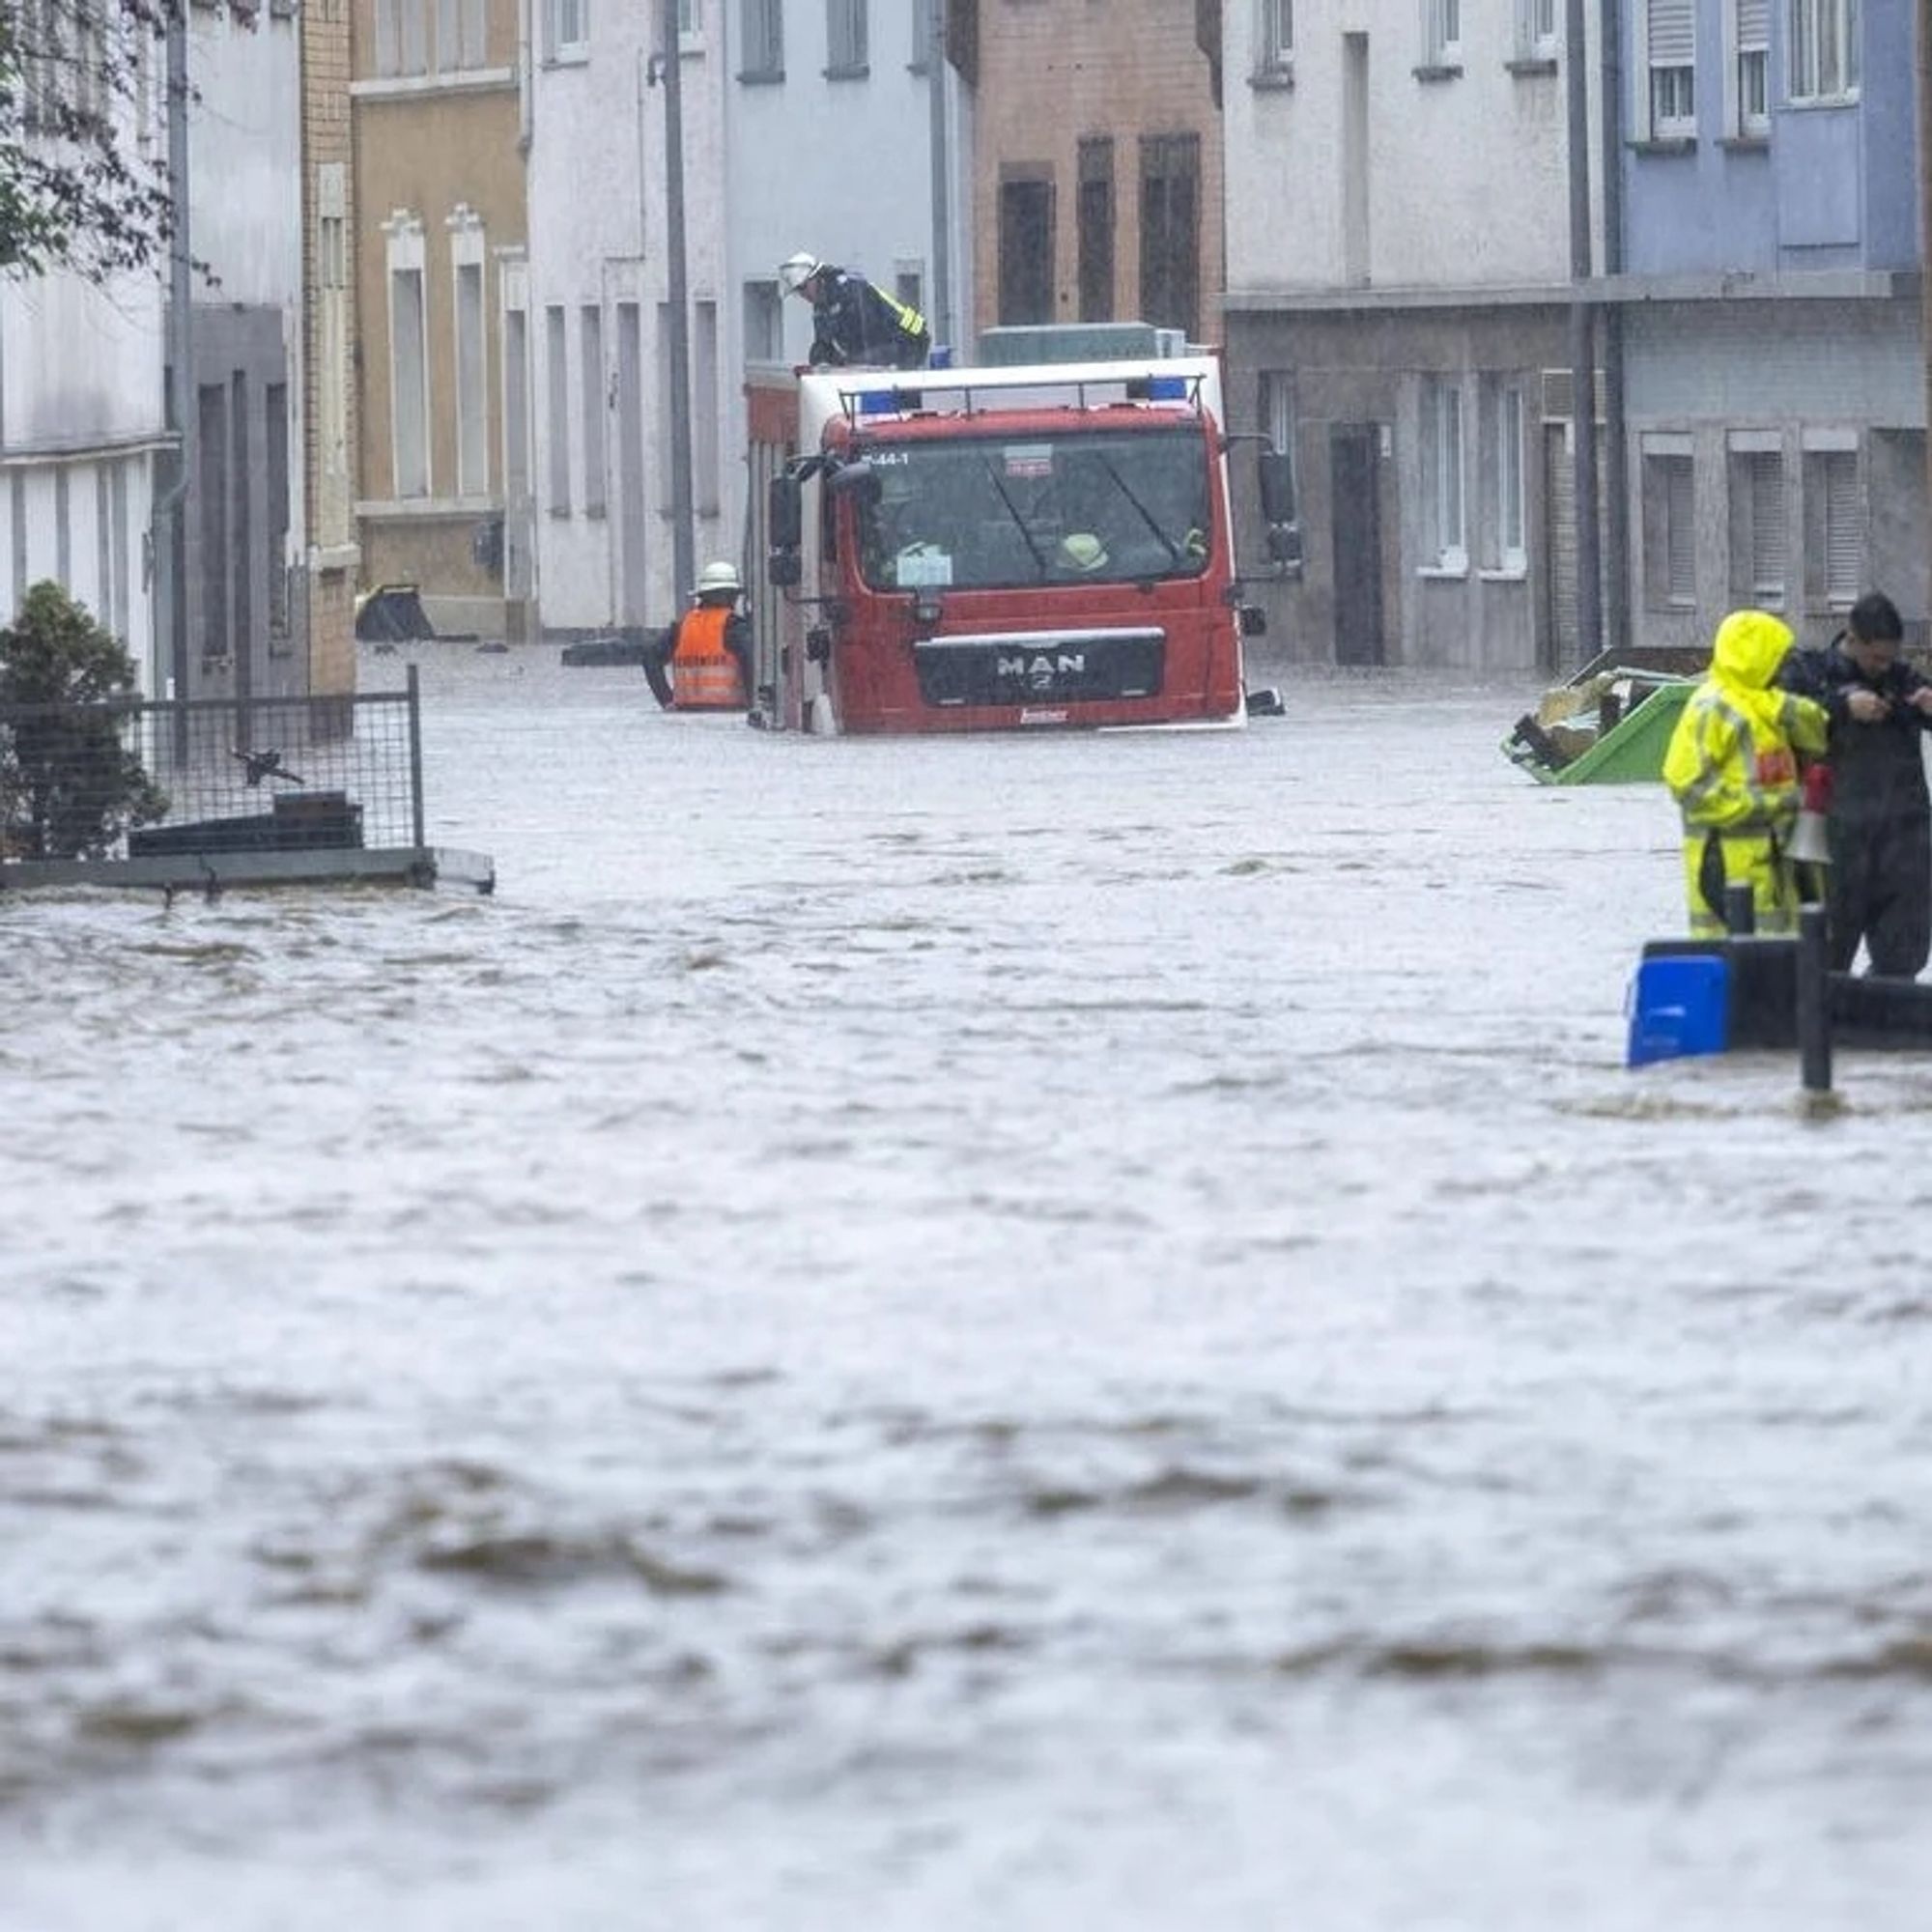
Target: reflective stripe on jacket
704,675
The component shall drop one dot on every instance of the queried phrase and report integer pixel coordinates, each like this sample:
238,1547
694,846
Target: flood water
935,1336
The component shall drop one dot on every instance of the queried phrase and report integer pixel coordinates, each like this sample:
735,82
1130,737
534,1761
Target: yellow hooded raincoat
1732,767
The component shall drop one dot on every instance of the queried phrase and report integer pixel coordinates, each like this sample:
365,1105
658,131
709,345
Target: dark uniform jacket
1877,772
855,323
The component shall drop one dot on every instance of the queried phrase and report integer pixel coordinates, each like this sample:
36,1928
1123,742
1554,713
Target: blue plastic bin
1679,1005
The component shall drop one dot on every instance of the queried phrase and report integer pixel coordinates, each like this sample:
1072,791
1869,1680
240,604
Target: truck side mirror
784,528
784,512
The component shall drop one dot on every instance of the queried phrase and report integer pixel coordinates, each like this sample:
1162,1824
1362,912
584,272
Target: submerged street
944,1336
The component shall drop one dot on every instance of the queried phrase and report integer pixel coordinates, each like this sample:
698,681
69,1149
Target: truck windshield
994,512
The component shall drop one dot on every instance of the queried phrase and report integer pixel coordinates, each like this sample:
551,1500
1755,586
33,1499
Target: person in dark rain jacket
854,323
1879,889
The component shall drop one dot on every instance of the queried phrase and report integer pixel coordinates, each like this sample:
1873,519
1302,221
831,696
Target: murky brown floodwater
951,1336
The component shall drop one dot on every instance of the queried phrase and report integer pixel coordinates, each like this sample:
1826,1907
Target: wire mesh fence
136,777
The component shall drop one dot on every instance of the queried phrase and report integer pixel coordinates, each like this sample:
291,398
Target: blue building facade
1768,301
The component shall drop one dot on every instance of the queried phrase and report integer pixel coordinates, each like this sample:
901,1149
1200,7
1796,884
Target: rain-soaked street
952,1337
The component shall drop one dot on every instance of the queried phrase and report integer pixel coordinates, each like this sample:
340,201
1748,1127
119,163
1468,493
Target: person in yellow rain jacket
703,662
1732,767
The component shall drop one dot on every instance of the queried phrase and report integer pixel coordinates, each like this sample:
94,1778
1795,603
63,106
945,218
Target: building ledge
1526,65
1321,300
1816,285
414,86
85,448
1432,72
426,509
1272,80
1665,144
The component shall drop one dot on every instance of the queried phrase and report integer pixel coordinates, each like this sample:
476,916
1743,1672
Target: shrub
68,784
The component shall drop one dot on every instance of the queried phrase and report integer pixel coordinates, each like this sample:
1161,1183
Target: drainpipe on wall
168,520
941,318
525,79
1583,348
1923,11
682,540
1616,449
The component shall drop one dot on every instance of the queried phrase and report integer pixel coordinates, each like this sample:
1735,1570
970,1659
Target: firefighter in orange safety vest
703,663
1732,767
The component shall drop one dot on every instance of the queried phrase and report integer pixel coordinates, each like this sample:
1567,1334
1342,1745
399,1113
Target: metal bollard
1814,1002
1740,909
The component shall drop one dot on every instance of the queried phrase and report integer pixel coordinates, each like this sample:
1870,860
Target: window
569,27
705,443
764,322
1835,532
764,39
471,364
461,35
922,35
1823,56
331,251
909,283
1512,549
1170,232
1094,215
1748,24
1274,36
1278,420
1757,519
1536,30
1671,49
211,423
409,361
844,37
1442,33
275,399
1670,534
590,340
556,368
402,37
1025,249
691,19
1444,547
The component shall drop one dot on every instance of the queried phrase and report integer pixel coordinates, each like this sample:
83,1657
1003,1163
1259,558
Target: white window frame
847,37
1512,513
761,52
1822,58
595,401
1537,29
1274,37
557,408
1445,532
467,252
761,298
404,255
462,35
567,29
1667,63
1748,70
1442,33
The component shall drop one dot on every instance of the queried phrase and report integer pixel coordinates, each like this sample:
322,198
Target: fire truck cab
1011,547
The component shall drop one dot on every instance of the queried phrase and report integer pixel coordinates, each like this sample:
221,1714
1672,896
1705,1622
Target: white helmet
720,575
795,270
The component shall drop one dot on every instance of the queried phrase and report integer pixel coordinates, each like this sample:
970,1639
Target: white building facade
588,320
1397,319
83,432
242,595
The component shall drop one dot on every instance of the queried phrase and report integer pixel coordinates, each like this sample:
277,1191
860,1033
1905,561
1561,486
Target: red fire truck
1011,547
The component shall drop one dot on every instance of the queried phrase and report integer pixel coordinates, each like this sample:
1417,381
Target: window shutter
1679,533
1844,540
1753,23
1767,524
1673,33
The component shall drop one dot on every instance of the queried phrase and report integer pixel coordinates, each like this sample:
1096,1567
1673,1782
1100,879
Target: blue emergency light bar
884,402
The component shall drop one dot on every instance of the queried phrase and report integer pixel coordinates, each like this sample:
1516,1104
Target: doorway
1354,482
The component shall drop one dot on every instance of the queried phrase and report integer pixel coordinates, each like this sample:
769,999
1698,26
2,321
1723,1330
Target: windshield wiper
1019,521
1146,516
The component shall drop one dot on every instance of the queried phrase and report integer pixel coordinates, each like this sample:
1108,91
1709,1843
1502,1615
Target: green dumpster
1608,727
